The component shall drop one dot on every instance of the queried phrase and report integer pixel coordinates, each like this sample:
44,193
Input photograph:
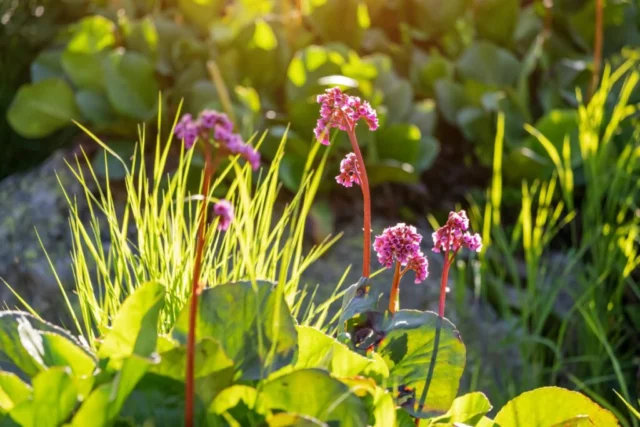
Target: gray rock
32,201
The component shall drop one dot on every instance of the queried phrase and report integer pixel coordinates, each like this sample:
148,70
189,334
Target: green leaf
22,343
159,401
496,20
317,350
42,108
552,406
134,329
209,358
287,419
105,402
427,69
92,34
95,107
131,85
391,171
85,70
60,351
336,20
487,63
105,164
421,347
424,116
399,142
54,399
250,323
314,392
467,409
12,391
202,13
450,98
555,126
398,99
46,65
238,402
436,16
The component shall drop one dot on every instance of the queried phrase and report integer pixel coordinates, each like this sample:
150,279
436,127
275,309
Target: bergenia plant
211,131
399,247
449,240
342,111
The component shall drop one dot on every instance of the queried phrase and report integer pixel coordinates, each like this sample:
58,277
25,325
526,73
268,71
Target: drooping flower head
348,171
455,235
401,243
212,125
224,211
342,111
419,263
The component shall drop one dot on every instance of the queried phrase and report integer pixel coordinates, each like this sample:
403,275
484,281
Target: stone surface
32,204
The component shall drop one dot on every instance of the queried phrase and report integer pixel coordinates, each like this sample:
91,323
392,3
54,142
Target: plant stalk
395,290
443,284
195,287
366,196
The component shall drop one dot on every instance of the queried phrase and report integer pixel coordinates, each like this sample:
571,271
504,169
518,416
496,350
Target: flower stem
209,168
443,284
366,196
395,289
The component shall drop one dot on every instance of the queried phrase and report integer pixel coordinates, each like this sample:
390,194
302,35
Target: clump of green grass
591,344
151,237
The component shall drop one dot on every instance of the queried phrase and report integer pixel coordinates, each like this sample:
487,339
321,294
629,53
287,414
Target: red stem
209,168
366,195
395,289
443,284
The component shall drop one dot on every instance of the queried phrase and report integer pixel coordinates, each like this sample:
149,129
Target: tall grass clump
151,237
588,209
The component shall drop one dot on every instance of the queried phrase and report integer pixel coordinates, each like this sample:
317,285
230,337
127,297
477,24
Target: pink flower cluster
401,243
455,235
212,124
339,110
349,171
223,210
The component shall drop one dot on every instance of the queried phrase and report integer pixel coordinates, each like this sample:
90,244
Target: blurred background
523,112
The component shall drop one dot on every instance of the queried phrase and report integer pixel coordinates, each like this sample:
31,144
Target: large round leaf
552,406
131,85
487,63
135,327
317,350
54,398
27,343
424,353
435,16
42,108
314,392
496,20
92,34
336,20
468,409
84,69
253,325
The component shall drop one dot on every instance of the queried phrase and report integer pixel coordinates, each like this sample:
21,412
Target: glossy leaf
209,358
47,65
328,400
424,353
487,63
238,402
134,329
391,171
317,350
92,34
54,399
131,85
95,107
551,406
85,70
22,344
249,323
42,108
12,391
467,409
